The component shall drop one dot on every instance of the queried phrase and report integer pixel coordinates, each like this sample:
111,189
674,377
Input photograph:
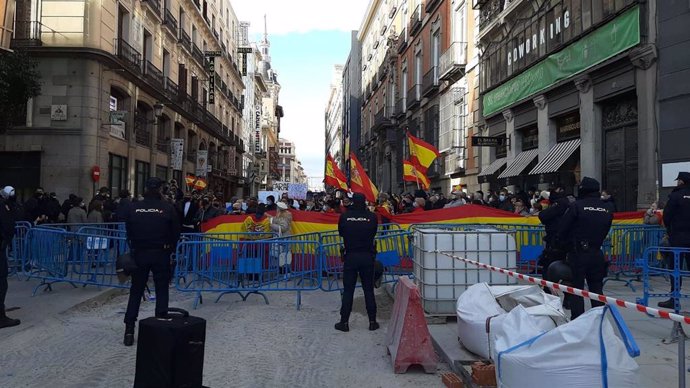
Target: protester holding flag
360,182
334,176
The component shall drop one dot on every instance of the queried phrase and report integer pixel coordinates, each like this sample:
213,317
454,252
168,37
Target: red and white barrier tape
578,292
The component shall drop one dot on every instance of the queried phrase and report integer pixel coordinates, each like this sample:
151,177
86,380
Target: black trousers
361,264
158,262
4,272
677,242
587,265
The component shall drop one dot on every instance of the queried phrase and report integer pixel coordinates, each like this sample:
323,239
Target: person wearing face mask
9,215
34,207
609,202
77,214
504,203
418,204
207,211
270,203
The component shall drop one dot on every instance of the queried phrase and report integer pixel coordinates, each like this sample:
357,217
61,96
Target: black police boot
129,335
666,304
374,326
6,321
342,326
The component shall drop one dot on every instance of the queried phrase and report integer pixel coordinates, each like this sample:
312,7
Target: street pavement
73,338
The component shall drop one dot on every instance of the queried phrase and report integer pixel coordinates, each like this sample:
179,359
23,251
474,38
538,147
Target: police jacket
10,213
152,224
677,215
551,218
358,227
587,220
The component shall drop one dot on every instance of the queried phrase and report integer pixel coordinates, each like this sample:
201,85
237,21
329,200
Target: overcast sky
308,37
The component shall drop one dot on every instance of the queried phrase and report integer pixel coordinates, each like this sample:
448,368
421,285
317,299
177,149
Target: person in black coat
584,227
357,226
53,208
35,207
609,201
10,213
187,210
122,205
551,219
677,222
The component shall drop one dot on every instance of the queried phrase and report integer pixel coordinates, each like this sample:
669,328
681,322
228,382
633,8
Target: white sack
569,355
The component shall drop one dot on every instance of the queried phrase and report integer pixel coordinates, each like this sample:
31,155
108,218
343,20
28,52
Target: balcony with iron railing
382,118
171,89
489,12
430,82
129,55
400,107
27,34
198,55
413,96
431,5
170,22
402,41
185,40
415,21
154,75
155,6
452,63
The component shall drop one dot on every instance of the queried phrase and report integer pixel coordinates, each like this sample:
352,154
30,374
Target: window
142,173
458,21
435,52
403,82
182,18
117,174
162,172
166,63
194,35
418,68
123,24
148,46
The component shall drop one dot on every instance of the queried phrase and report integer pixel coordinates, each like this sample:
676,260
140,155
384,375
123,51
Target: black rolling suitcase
170,351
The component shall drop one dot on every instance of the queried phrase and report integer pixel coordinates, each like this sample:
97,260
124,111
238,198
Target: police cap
358,199
153,183
684,176
588,185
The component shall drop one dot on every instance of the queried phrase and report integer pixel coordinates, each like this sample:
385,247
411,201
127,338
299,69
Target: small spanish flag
189,180
360,181
422,154
200,184
334,176
412,174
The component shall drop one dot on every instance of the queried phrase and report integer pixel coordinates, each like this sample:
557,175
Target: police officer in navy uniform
584,228
677,222
357,226
153,228
551,219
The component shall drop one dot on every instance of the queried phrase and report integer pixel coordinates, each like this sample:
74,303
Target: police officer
357,226
153,228
551,219
677,221
9,215
584,227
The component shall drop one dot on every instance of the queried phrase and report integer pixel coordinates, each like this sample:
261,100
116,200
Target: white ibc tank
442,279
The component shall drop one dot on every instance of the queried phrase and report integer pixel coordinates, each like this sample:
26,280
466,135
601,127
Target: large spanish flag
304,222
422,154
360,182
412,174
334,176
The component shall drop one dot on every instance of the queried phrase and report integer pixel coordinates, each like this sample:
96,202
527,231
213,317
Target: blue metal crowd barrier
17,251
56,255
664,261
247,267
624,250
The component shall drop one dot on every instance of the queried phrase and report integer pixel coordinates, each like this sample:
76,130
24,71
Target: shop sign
611,39
530,138
568,127
489,141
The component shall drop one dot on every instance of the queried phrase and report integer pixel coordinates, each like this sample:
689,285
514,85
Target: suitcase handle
180,311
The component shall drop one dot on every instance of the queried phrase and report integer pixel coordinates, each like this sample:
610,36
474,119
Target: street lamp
158,109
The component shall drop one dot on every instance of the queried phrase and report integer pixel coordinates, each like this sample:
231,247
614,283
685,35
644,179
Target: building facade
125,86
673,46
255,91
405,81
352,93
571,85
7,10
290,167
334,118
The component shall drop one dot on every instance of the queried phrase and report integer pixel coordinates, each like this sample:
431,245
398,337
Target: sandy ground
249,344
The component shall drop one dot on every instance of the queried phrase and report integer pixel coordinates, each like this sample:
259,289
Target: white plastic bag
583,353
